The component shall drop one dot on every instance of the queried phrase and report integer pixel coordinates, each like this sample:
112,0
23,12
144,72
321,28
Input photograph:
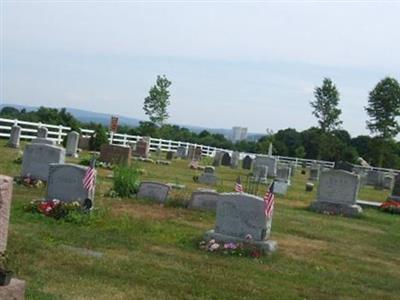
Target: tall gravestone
235,160
246,163
66,183
84,143
197,153
226,159
337,193
72,144
270,162
395,196
115,154
42,132
217,158
240,215
15,290
15,137
153,191
37,159
191,150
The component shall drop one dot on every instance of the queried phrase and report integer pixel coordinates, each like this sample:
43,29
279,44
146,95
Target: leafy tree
383,108
155,105
325,106
98,138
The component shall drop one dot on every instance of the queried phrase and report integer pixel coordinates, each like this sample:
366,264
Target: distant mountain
102,118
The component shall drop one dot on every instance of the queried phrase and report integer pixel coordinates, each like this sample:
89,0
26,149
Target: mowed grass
150,252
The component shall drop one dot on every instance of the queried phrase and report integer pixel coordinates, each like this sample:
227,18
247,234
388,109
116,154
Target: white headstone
15,136
72,144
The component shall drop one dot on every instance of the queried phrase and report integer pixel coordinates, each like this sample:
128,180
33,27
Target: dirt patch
300,248
142,211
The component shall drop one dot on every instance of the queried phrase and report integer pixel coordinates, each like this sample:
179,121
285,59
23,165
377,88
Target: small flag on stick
269,201
90,175
238,185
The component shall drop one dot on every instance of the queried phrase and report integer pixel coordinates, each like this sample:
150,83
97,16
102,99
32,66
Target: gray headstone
42,132
246,163
43,141
209,169
6,187
218,158
239,215
154,191
314,173
337,193
15,136
208,179
268,161
204,199
260,172
66,183
283,173
181,152
170,155
190,151
37,159
72,144
396,189
280,187
388,181
235,160
226,159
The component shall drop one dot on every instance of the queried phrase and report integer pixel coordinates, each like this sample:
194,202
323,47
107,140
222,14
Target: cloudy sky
247,63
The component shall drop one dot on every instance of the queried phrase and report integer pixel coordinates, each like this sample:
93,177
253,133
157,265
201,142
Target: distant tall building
238,134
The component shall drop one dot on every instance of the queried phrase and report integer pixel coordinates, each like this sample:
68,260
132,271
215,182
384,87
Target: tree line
328,141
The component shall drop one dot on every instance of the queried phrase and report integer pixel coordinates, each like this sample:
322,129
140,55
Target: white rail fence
58,132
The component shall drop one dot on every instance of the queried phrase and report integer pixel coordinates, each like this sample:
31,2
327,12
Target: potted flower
5,274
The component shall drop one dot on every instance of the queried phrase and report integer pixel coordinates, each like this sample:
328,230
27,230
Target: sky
232,63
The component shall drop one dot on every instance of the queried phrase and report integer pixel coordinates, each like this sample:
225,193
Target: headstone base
394,198
14,291
344,209
268,245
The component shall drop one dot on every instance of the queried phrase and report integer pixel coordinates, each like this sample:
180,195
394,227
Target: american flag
90,176
238,186
269,201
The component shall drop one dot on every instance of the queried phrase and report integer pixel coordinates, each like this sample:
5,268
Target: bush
98,138
126,180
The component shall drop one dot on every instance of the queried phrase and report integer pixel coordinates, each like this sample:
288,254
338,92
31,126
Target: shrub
98,138
126,180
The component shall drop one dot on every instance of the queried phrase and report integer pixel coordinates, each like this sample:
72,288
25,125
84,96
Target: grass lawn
151,252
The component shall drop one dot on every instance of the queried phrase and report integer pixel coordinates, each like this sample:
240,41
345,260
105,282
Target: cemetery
170,236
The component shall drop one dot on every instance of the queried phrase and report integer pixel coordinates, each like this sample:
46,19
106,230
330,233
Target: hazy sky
245,63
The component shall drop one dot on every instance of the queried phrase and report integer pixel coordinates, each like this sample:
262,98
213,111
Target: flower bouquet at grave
29,181
54,208
390,206
245,249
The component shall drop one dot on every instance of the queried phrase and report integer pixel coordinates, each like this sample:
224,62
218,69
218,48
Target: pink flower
230,246
213,247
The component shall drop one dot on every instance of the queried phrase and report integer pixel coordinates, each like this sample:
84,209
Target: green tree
325,106
155,105
383,108
98,138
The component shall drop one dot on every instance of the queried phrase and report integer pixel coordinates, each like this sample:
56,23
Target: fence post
60,134
125,139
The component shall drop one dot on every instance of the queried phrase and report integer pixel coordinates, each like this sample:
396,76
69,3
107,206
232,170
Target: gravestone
293,169
170,155
314,173
43,141
42,132
283,173
395,196
337,193
309,186
72,144
235,160
246,163
181,152
15,136
66,183
270,162
15,290
84,143
280,187
208,177
374,178
197,153
388,181
154,191
142,148
204,199
218,158
226,159
191,150
240,215
115,154
260,173
37,159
